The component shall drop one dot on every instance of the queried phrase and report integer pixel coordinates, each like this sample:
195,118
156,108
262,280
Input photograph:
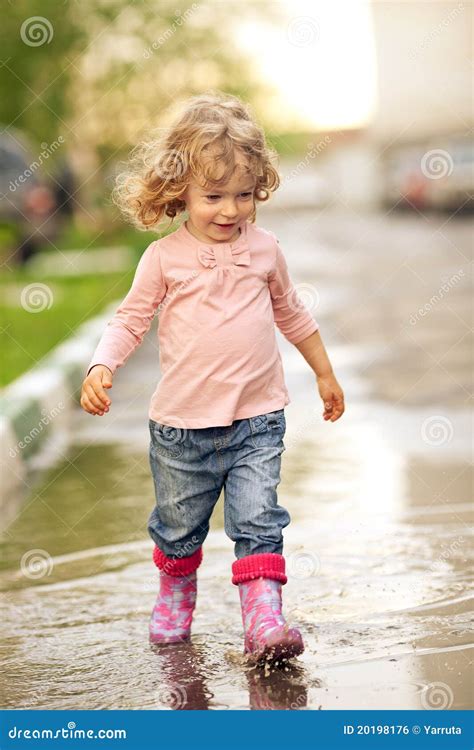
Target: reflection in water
183,679
277,688
183,683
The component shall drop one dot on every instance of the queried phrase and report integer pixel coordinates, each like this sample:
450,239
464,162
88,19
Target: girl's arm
125,331
312,349
293,319
299,327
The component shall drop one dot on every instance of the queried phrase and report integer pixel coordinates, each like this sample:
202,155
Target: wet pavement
378,551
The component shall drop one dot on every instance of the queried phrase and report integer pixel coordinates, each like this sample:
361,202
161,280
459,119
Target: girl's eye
211,197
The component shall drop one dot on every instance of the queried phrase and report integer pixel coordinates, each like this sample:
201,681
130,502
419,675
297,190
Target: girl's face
214,214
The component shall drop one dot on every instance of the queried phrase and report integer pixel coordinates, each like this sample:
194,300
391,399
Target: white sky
321,62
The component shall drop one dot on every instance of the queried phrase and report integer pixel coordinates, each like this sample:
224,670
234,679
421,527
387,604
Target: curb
38,405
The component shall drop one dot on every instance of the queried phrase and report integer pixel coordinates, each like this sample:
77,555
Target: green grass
27,336
75,238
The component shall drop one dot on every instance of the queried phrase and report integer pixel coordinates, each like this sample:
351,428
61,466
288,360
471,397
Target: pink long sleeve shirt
217,307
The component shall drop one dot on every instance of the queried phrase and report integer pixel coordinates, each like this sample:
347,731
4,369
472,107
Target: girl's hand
93,397
332,396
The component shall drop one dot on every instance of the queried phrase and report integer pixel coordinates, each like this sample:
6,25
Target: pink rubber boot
173,611
267,634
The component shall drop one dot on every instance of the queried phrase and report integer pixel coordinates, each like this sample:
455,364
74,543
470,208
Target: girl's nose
230,211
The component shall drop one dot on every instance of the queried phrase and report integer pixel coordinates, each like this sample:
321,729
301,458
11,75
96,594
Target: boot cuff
181,566
266,565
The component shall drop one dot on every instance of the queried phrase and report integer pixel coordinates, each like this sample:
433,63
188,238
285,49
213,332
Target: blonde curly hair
206,135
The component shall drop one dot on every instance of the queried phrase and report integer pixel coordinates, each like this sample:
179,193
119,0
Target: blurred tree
39,41
99,72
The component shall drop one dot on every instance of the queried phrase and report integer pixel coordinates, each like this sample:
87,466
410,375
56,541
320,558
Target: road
377,550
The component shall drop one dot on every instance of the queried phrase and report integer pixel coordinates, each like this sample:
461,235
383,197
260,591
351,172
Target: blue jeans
191,466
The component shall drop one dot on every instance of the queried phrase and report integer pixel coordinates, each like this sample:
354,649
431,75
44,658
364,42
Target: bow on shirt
224,255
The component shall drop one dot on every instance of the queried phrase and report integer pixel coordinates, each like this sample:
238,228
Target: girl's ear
185,196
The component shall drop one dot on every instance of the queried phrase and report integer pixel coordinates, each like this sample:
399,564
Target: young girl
219,283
